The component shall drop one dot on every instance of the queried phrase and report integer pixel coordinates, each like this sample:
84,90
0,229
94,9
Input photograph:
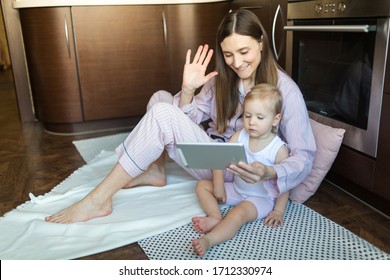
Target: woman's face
242,54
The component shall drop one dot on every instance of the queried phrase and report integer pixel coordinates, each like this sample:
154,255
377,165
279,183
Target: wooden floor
32,160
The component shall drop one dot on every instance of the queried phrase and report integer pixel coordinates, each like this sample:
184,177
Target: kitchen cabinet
121,58
382,171
99,65
118,67
51,58
273,17
188,27
278,34
365,177
381,184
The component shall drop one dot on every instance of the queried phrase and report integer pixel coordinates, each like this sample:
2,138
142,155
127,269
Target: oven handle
332,28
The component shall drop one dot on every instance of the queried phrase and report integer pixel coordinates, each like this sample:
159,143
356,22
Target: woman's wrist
270,173
186,96
188,91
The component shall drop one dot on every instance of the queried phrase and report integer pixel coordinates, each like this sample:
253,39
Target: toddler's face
259,119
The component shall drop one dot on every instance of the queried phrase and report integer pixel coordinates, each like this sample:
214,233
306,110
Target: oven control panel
338,9
330,8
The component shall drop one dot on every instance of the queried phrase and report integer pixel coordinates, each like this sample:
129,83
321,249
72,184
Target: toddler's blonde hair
269,95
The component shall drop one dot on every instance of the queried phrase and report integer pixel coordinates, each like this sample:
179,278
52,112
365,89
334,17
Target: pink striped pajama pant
161,128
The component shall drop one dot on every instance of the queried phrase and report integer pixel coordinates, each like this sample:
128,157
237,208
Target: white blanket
25,235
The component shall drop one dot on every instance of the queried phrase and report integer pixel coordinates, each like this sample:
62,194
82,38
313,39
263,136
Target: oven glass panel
334,70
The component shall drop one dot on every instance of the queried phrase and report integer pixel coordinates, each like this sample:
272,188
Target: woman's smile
242,68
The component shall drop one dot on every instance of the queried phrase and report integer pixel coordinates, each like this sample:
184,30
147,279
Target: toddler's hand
274,218
220,195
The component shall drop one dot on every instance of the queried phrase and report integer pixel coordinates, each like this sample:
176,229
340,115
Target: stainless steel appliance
336,52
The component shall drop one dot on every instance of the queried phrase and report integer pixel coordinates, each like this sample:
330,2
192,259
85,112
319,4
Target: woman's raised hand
194,74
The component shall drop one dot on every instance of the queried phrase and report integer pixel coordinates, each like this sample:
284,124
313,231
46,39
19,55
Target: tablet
210,155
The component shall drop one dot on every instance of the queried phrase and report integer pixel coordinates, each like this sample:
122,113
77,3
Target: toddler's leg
204,192
243,213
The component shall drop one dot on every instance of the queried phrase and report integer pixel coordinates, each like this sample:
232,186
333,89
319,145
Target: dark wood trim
349,164
368,197
18,61
91,126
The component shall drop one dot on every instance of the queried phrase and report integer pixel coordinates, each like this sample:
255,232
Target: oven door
339,66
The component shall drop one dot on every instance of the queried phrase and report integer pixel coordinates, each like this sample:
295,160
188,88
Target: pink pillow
328,141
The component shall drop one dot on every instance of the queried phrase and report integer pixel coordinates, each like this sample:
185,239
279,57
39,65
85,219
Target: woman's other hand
252,173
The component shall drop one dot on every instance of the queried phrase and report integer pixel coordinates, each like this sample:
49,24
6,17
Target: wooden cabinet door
122,58
49,46
273,17
382,168
261,8
188,26
278,19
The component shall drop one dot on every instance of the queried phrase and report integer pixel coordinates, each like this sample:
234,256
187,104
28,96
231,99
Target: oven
336,53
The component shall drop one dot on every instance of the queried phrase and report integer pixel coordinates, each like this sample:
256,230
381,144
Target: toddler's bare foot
153,176
205,224
81,211
201,246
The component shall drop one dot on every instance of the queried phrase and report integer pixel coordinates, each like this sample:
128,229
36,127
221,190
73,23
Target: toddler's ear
277,119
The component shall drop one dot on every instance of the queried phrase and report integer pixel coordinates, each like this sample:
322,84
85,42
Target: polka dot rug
306,235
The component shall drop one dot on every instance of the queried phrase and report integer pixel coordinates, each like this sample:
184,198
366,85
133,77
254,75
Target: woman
243,59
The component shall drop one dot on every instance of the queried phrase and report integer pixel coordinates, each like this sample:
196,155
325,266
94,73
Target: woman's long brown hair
242,22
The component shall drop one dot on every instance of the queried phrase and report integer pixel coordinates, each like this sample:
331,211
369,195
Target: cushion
328,141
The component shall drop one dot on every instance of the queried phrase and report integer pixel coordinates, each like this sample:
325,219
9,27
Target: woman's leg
243,213
206,199
158,97
153,176
155,173
161,127
97,203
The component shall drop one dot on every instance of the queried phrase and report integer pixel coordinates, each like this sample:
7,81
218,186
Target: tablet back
210,155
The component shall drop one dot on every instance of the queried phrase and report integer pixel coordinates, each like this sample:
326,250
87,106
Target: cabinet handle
67,35
164,23
273,32
251,7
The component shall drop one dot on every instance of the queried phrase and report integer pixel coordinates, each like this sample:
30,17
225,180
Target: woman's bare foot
205,224
201,246
81,211
153,176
